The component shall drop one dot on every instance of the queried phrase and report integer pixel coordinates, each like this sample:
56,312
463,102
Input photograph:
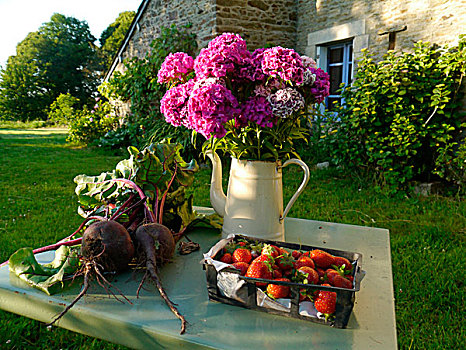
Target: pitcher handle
300,188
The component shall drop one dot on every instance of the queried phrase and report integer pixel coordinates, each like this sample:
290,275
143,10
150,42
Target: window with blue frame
340,69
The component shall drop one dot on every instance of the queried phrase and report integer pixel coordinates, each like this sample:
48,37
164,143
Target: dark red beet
157,236
108,243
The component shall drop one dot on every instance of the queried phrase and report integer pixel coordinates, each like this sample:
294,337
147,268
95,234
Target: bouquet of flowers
250,104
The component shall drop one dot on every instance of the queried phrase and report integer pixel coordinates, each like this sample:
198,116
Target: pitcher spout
217,196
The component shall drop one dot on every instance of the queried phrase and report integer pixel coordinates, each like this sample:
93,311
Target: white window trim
316,41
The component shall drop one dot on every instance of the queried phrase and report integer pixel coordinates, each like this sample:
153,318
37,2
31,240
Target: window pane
336,76
335,55
332,102
350,58
350,73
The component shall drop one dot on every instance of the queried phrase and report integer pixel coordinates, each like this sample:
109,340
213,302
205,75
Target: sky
20,17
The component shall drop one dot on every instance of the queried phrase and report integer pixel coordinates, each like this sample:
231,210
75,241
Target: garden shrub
87,126
401,121
63,110
138,86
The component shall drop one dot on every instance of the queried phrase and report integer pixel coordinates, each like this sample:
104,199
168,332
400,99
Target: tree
59,58
112,37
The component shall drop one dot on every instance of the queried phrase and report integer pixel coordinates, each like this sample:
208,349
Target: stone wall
259,22
200,13
436,21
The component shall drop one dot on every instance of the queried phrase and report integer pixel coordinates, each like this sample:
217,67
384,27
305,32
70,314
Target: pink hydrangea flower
257,110
321,87
225,54
285,102
283,63
268,88
174,104
176,66
209,108
308,62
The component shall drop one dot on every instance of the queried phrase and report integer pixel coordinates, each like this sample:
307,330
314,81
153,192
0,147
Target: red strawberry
242,243
321,258
265,258
330,275
304,261
242,255
343,262
242,267
272,250
312,276
341,282
276,274
259,270
226,258
285,261
325,302
277,291
296,254
320,272
350,278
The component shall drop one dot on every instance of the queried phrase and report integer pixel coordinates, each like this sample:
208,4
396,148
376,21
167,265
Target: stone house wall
260,22
435,21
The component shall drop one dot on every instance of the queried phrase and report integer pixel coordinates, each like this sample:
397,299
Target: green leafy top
158,170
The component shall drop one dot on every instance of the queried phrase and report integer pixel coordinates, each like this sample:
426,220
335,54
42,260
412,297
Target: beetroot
106,247
157,242
108,243
158,245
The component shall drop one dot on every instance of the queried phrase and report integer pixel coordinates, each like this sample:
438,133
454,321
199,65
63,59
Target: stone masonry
435,21
291,23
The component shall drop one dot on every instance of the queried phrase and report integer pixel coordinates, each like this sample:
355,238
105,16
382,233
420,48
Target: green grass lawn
38,207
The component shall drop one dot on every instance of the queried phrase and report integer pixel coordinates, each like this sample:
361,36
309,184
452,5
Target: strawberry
325,302
272,250
330,275
320,272
242,267
276,274
265,258
226,258
242,255
296,254
259,270
285,261
311,275
340,261
304,261
341,282
277,291
242,243
321,258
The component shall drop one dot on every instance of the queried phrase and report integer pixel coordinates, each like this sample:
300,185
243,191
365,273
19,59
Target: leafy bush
138,84
62,110
87,126
400,121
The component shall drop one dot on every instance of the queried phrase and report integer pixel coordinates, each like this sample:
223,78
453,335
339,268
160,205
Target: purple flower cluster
321,87
174,104
232,83
285,102
224,54
209,108
175,66
257,110
283,63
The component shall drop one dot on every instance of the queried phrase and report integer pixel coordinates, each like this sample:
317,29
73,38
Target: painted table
148,323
